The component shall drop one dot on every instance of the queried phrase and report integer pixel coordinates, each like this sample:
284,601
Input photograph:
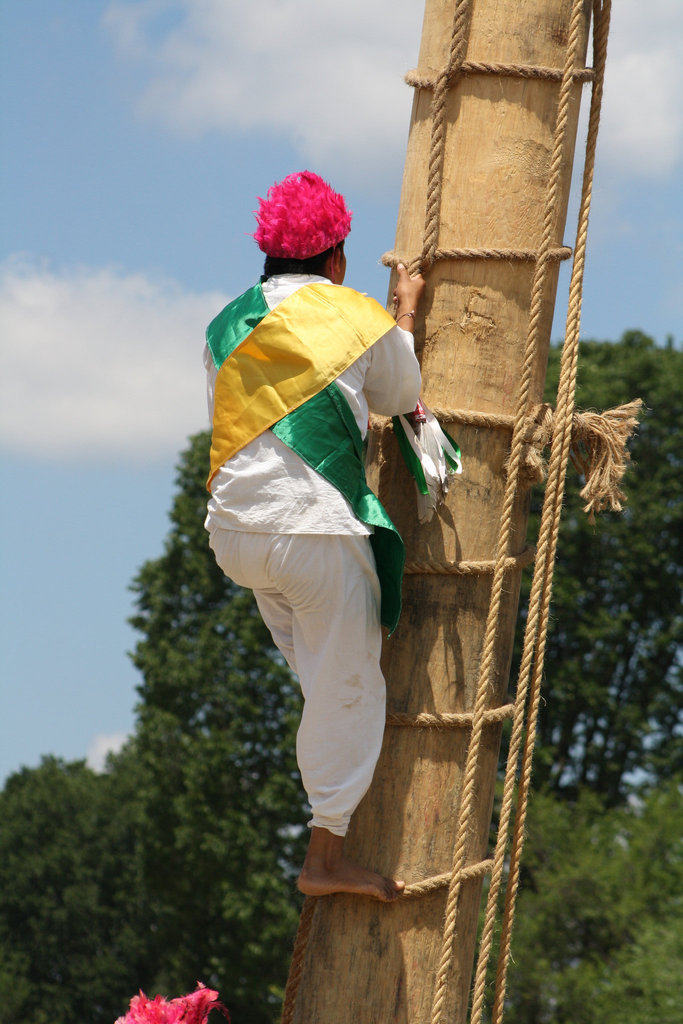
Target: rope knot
599,454
598,451
537,435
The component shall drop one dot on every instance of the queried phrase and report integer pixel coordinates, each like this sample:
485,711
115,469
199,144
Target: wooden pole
365,962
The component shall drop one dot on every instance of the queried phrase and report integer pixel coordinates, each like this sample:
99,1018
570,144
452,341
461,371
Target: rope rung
448,720
471,568
502,70
429,885
552,254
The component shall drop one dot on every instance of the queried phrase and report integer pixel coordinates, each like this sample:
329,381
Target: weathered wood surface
369,963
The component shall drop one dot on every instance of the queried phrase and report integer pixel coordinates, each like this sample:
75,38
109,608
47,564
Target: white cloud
101,746
328,77
642,123
99,364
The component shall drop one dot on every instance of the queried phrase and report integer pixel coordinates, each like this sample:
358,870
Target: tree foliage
613,706
74,917
600,916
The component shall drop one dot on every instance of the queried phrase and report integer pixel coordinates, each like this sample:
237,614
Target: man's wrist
407,313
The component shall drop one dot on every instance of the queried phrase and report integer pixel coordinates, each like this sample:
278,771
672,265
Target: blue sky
136,136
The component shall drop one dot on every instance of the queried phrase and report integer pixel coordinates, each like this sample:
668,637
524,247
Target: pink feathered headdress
192,1009
301,217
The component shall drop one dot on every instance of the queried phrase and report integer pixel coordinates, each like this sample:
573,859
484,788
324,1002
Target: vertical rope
437,148
550,519
489,647
540,577
298,955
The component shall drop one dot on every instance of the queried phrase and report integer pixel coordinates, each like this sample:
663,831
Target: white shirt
268,488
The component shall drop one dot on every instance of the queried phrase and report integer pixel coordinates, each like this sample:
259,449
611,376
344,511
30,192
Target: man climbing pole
293,367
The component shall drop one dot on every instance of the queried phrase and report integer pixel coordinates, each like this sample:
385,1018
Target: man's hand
407,295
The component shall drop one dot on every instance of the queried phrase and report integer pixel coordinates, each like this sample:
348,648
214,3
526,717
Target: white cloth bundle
431,456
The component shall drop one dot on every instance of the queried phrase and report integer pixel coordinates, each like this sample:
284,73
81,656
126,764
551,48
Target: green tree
600,918
74,919
224,808
613,704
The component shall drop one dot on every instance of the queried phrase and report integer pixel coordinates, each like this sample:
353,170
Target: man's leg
332,587
326,870
243,557
319,596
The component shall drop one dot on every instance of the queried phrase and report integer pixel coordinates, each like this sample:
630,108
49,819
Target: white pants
319,596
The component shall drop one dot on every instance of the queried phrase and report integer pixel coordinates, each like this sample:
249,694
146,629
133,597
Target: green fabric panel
409,457
324,433
456,446
235,322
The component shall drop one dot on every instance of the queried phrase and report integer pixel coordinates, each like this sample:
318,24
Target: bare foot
326,871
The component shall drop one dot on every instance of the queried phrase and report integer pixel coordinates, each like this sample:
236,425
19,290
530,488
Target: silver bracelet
412,313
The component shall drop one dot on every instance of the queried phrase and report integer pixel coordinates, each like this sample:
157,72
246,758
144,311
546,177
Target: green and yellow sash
276,369
271,362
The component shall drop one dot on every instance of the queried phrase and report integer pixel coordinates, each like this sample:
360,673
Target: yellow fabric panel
297,350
